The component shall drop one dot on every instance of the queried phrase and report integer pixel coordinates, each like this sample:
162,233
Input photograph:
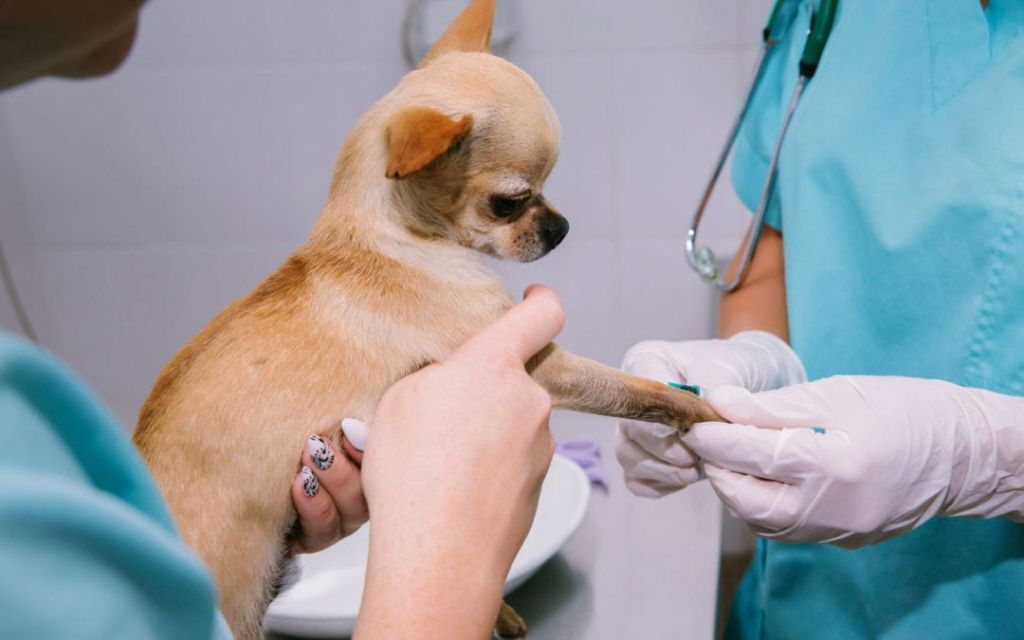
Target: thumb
796,406
524,330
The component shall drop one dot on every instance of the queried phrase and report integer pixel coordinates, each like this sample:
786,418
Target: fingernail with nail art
309,484
355,431
321,452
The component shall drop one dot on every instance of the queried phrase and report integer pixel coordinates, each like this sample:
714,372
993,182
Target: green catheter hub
692,388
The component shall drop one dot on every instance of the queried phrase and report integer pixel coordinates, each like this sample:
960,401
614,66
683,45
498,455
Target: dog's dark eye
506,207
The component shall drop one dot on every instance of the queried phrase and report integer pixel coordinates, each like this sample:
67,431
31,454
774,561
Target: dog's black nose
553,229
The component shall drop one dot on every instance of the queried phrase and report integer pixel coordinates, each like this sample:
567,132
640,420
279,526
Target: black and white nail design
309,484
321,452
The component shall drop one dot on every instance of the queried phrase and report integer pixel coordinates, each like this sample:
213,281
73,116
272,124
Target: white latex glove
856,460
654,460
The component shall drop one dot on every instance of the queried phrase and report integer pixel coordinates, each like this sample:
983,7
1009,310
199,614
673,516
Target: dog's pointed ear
419,135
471,31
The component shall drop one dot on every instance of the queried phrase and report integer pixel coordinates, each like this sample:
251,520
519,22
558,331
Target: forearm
427,591
760,301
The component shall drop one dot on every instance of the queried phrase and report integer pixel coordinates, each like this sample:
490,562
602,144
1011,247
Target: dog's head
467,141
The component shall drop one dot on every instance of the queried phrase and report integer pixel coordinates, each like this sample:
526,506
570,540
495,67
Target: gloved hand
654,460
856,460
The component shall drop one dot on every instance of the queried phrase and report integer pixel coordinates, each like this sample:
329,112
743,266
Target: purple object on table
587,454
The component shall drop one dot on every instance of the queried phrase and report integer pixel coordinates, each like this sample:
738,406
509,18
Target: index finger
524,330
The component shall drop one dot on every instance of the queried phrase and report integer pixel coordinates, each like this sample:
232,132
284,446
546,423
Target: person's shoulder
31,371
47,409
88,515
14,349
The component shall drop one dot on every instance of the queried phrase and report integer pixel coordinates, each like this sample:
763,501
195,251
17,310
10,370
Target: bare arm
760,301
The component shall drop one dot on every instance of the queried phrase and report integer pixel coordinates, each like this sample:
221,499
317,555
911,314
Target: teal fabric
87,546
900,198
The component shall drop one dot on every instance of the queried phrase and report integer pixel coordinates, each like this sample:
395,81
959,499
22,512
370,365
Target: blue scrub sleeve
87,547
760,129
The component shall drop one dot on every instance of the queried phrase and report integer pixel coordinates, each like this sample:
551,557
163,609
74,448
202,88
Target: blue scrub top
87,546
900,197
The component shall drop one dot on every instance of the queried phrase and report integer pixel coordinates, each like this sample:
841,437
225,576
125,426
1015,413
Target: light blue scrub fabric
87,546
900,198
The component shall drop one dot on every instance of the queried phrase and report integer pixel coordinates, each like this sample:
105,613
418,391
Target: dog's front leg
580,384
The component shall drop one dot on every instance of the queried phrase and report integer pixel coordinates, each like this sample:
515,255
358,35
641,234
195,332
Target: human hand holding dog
452,473
328,495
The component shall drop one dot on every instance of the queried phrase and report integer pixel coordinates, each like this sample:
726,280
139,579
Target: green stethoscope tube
701,258
821,29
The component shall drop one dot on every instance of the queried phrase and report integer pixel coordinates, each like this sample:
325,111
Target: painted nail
309,484
355,431
320,451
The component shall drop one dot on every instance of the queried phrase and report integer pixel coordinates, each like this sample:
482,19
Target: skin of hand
854,460
71,38
337,507
452,471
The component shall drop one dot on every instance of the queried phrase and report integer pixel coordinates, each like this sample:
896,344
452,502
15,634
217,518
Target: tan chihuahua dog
448,165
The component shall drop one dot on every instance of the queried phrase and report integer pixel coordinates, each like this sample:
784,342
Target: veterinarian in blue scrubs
900,202
87,546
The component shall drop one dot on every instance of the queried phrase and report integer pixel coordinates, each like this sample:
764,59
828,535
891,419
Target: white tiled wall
134,207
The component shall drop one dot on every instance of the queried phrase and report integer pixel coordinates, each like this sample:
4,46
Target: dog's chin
532,257
530,253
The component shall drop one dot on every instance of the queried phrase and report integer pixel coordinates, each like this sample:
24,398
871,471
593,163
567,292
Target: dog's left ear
419,135
471,31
